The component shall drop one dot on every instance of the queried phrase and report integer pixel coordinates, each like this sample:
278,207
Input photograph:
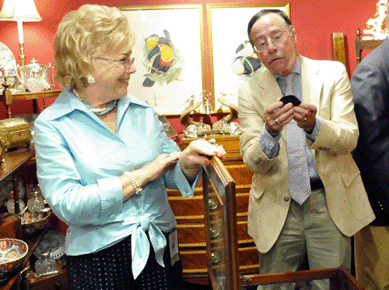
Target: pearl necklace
98,111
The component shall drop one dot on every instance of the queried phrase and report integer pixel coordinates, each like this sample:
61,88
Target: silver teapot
35,77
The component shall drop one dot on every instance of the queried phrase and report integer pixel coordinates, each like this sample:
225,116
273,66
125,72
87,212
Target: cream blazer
326,85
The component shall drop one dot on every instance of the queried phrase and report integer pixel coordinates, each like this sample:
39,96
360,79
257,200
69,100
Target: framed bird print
231,57
169,55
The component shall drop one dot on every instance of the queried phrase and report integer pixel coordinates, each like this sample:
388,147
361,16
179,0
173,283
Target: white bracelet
134,182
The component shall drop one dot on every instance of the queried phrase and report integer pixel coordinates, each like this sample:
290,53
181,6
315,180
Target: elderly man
307,197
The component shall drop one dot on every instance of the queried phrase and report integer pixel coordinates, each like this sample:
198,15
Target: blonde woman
104,161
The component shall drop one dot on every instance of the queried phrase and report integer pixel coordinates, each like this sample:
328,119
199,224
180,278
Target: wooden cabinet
12,162
190,216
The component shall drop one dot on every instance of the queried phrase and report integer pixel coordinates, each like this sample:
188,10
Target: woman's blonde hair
84,34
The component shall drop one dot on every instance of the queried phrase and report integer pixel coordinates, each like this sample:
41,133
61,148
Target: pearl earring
90,79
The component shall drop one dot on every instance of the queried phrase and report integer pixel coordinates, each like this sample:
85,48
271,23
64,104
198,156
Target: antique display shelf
12,161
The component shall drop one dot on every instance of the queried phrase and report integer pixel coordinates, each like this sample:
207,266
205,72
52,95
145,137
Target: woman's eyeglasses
126,62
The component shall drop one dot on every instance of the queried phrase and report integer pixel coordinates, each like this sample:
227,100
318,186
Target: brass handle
212,204
215,258
214,232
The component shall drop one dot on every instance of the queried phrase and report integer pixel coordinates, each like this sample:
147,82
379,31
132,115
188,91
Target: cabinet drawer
197,192
191,235
187,208
243,236
242,202
194,260
248,256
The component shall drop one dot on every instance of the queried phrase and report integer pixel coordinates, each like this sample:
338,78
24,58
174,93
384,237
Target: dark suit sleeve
370,89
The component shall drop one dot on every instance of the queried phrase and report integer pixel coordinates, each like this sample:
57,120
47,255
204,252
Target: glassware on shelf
35,204
191,131
207,105
201,128
35,76
11,205
45,264
34,83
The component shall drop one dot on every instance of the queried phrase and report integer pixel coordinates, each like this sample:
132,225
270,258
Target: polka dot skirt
110,269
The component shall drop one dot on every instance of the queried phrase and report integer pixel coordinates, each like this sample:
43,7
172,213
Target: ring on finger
305,119
277,122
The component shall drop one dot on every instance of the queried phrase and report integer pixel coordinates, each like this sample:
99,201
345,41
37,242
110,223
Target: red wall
314,21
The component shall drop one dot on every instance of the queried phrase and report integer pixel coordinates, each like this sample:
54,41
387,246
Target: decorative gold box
14,132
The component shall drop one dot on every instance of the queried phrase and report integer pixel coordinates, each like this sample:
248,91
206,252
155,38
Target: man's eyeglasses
127,62
263,45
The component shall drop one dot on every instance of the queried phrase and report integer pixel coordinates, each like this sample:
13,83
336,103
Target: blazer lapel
312,83
269,88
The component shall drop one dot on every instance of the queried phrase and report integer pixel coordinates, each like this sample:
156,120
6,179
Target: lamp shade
19,10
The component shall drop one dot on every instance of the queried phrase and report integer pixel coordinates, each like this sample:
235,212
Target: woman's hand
196,154
157,168
162,164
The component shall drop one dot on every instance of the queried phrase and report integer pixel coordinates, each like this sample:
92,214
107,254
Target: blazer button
112,217
286,198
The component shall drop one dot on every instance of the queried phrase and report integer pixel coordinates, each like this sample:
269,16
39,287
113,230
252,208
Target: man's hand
277,116
305,116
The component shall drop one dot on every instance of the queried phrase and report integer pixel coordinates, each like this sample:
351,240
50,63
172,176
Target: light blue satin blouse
79,161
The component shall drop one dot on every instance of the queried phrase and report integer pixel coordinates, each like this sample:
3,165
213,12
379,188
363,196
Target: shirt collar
67,102
296,69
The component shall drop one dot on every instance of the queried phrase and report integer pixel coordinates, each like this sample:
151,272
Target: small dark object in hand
290,99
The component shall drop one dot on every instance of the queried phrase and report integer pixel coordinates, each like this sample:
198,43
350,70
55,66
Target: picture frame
228,47
169,57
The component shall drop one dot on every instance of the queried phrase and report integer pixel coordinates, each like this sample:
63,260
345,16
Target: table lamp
20,11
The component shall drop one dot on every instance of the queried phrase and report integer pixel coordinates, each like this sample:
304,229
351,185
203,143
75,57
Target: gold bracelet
197,166
135,184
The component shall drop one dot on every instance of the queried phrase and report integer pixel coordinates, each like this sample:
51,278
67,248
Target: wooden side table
7,97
